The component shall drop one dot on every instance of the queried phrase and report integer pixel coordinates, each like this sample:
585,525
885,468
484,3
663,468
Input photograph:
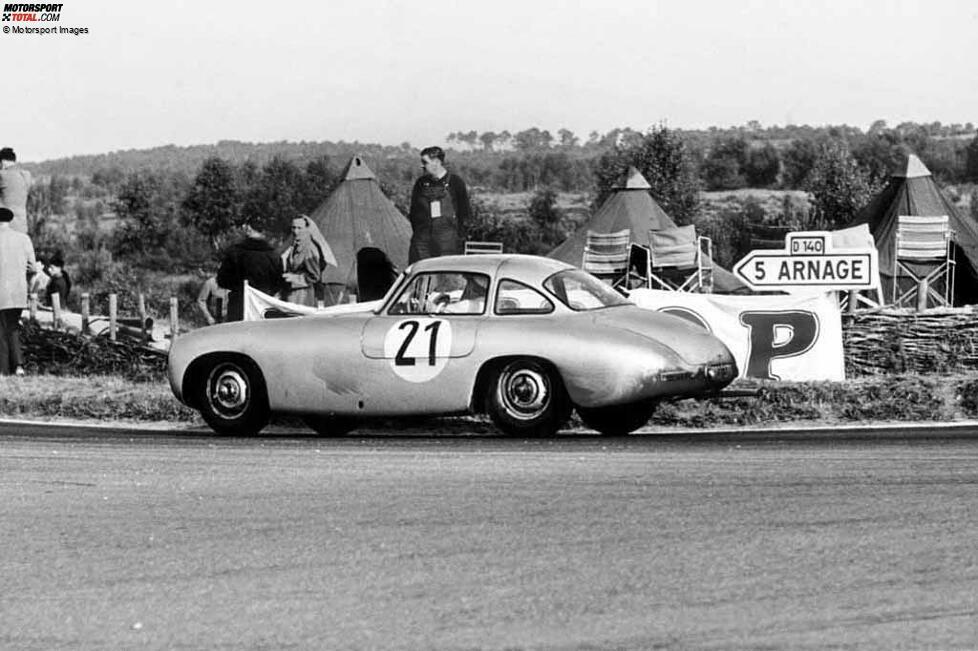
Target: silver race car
522,338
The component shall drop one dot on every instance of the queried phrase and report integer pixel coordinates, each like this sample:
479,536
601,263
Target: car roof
526,268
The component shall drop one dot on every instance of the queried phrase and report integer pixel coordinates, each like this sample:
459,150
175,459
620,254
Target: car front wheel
528,399
617,420
233,398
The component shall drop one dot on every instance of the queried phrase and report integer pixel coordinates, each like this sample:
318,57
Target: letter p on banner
766,338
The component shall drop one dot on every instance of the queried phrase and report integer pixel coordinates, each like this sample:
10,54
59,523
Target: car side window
443,293
514,297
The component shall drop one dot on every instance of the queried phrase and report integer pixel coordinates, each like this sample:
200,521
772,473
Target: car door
418,350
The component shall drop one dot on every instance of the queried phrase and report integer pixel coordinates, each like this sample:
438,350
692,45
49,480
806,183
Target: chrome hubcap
525,393
229,391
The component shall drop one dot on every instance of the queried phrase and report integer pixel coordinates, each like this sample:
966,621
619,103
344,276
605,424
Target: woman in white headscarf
306,262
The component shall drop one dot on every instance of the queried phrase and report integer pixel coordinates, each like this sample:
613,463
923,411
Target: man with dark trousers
253,259
439,209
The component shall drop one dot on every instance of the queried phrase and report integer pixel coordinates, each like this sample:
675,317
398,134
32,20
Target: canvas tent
357,215
913,191
631,206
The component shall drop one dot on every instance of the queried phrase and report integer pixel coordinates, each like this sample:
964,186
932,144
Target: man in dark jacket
60,282
252,259
439,209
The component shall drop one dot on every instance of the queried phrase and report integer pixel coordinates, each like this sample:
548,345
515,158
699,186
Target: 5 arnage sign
808,262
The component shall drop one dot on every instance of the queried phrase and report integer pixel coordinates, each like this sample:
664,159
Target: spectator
15,183
251,259
305,263
59,283
16,263
375,274
212,301
439,209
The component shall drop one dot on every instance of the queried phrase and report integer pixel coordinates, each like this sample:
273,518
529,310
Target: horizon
148,76
449,147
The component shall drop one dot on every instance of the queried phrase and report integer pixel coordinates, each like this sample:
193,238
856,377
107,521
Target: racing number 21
400,359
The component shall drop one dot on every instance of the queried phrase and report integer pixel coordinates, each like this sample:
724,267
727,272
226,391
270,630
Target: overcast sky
388,71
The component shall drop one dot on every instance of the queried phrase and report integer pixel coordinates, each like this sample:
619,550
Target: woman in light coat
306,262
16,262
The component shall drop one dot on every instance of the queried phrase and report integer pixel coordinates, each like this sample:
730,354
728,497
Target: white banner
794,337
259,305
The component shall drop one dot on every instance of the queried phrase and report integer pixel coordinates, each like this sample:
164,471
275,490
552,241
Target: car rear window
580,291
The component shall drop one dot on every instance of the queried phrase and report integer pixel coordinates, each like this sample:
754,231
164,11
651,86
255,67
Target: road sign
809,261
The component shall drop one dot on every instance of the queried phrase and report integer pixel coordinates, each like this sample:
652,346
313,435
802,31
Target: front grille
675,376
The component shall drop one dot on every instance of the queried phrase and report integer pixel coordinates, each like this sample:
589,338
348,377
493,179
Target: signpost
809,261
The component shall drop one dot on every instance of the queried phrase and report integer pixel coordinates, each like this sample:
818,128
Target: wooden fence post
922,291
113,316
141,303
174,318
86,310
56,311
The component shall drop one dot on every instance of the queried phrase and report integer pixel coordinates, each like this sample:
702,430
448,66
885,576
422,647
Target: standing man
252,259
16,262
14,185
439,209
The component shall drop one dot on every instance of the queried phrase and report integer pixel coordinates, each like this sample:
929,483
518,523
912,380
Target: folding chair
923,255
478,248
681,260
607,255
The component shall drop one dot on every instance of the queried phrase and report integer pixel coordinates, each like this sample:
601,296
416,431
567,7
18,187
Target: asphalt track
804,538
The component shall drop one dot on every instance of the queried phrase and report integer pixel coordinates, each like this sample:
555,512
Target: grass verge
893,398
103,398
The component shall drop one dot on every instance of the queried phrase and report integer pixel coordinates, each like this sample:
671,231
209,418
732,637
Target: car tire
617,420
330,425
527,398
232,397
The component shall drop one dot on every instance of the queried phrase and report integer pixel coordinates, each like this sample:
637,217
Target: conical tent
356,215
913,191
631,206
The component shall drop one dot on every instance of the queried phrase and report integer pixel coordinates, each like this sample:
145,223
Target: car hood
691,342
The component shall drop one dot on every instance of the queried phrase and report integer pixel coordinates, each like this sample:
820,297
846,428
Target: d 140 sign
809,261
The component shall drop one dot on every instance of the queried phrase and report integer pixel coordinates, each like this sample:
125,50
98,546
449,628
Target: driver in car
472,299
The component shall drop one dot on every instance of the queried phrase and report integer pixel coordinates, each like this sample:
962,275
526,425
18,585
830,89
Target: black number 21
400,359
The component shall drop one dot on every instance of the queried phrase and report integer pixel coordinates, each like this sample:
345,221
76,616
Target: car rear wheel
528,399
233,398
617,420
330,425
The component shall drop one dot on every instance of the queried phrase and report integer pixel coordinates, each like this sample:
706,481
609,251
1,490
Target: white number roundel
418,348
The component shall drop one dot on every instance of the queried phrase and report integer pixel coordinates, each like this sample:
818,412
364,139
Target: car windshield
581,291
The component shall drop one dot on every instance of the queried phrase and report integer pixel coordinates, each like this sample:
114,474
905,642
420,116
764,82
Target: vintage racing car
524,338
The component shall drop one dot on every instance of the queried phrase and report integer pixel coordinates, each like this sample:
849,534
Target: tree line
166,215
748,156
